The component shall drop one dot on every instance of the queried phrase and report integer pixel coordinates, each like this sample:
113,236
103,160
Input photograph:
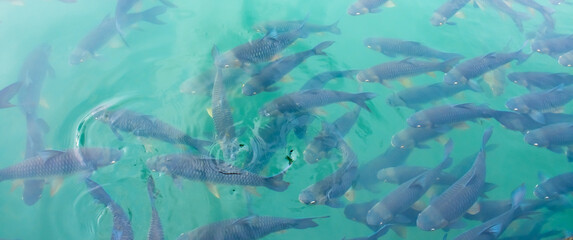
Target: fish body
409,137
566,59
32,74
401,174
247,228
405,68
122,229
361,7
446,11
546,12
209,170
523,122
448,114
554,46
147,126
541,80
551,136
537,102
155,227
552,188
517,17
36,129
287,26
392,47
319,80
307,99
276,70
414,97
57,164
367,173
459,197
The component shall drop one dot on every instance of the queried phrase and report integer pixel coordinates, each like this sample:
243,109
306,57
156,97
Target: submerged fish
523,122
446,11
147,126
319,80
552,137
566,59
122,7
392,47
361,7
414,97
210,170
367,172
52,163
551,188
458,198
275,71
517,17
541,80
307,99
448,114
122,229
401,174
410,137
535,103
287,26
155,227
553,46
247,228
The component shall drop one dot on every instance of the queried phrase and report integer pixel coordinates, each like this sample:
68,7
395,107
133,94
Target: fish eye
402,147
312,202
538,50
432,229
419,126
112,162
226,66
455,83
536,144
547,197
369,46
515,109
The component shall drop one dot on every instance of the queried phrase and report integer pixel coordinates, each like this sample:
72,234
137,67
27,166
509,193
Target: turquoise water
152,76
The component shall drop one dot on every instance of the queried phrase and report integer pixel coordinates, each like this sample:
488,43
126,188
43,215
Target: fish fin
306,223
43,125
321,46
537,116
401,231
276,182
457,224
150,15
460,14
45,155
389,4
569,153
419,205
333,28
56,184
8,93
406,82
555,149
474,85
178,182
542,177
286,79
252,190
319,112
44,103
462,126
517,196
431,74
116,133
213,189
362,97
474,209
422,146
16,184
334,203
350,195
486,188
442,140
210,112
344,105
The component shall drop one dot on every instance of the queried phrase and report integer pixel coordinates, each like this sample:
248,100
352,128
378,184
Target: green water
146,77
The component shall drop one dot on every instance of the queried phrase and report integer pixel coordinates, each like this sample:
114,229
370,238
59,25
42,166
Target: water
147,77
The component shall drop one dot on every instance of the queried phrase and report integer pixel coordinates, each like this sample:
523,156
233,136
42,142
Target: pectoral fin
213,189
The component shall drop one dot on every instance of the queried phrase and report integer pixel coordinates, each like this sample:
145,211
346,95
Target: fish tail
8,93
98,193
321,46
32,191
548,10
276,182
486,136
450,63
196,143
306,222
361,99
447,162
517,196
522,57
150,15
168,3
333,28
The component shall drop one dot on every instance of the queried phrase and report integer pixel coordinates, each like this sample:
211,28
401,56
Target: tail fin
98,193
32,191
522,57
449,64
150,15
306,222
8,93
333,28
486,136
517,196
200,145
168,3
276,182
447,162
361,98
321,46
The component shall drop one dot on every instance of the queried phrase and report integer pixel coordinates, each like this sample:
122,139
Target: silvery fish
414,97
446,11
361,7
553,46
247,228
367,173
552,137
155,227
566,59
401,174
458,198
287,26
448,114
517,17
541,80
535,103
319,80
552,188
410,137
122,229
210,170
392,47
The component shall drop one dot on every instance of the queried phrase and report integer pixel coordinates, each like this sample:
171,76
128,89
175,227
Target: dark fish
122,229
553,137
8,93
209,170
100,35
448,114
358,211
247,228
361,7
203,82
531,230
446,11
493,228
410,138
367,173
489,209
287,26
522,122
546,12
394,203
517,17
475,67
122,7
36,129
535,103
374,236
401,174
458,198
307,99
147,126
275,71
566,59
392,47
541,80
260,50
155,227
414,97
553,46
329,189
405,68
328,138
52,163
551,188
319,80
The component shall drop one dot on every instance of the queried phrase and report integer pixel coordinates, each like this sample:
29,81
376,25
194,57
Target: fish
53,163
260,50
367,172
546,12
222,115
361,7
319,80
540,80
122,8
374,236
101,34
517,17
384,72
464,72
401,174
210,170
552,188
531,230
122,229
146,126
155,227
449,206
493,228
566,59
36,130
275,71
308,99
448,114
287,26
327,139
251,227
328,190
414,97
393,47
553,46
535,103
489,209
552,137
404,196
358,212
557,2
409,137
446,11
523,122
7,93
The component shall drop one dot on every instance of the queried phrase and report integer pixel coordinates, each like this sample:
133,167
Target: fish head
372,44
249,89
379,215
402,140
357,9
517,79
103,115
387,175
517,104
309,197
395,100
545,191
431,219
367,76
566,59
228,60
313,153
78,56
100,157
540,46
419,120
438,19
270,109
454,77
260,28
536,138
162,163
